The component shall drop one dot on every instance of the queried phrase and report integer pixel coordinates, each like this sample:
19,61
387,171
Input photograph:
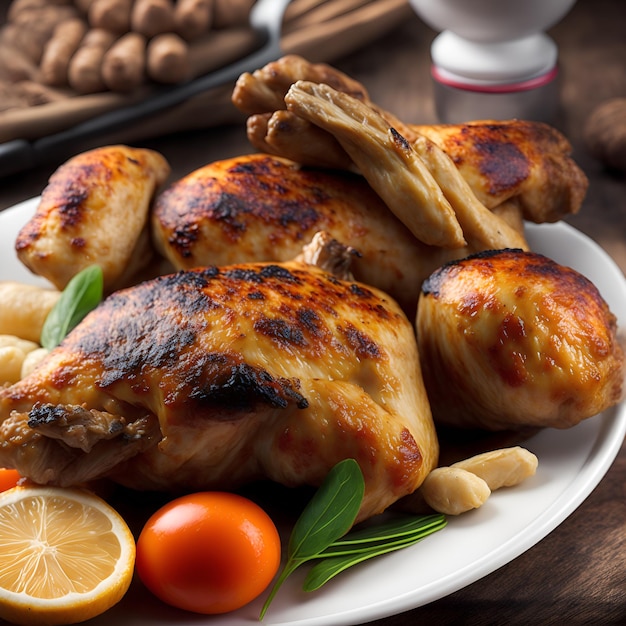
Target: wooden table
577,574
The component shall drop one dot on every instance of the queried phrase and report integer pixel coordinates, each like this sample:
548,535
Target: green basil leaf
330,513
326,569
82,294
402,526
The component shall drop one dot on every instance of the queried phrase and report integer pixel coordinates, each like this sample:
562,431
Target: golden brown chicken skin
215,377
529,162
259,207
94,209
509,339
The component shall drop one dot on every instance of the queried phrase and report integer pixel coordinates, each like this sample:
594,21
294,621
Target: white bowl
491,20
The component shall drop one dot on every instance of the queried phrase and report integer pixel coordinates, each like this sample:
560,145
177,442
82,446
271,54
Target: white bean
31,360
501,468
24,308
452,491
13,351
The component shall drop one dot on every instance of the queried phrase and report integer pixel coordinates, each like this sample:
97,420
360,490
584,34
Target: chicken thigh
94,210
259,207
510,339
214,377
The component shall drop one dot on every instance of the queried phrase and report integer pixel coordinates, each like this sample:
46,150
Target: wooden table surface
577,574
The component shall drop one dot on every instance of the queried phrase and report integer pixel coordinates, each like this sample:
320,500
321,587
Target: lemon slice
66,555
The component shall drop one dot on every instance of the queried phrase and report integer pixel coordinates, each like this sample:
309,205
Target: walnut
605,133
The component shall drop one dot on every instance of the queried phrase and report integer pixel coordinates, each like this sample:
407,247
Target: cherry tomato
8,478
209,552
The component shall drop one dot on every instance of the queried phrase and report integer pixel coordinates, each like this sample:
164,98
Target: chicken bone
328,254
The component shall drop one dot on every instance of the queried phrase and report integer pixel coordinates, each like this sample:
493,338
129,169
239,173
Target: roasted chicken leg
510,339
214,377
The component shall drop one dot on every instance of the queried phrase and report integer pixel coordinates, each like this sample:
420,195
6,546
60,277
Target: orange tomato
8,478
209,552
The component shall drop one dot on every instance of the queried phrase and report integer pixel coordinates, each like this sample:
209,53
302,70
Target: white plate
571,464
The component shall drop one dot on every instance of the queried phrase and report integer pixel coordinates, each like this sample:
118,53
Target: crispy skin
529,161
94,210
512,339
248,371
263,208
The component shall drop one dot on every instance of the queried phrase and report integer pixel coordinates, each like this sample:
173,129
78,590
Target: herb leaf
368,543
82,294
321,531
404,526
329,514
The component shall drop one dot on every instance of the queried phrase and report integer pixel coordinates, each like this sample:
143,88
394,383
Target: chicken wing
512,339
283,133
390,166
214,377
94,210
524,161
418,182
264,89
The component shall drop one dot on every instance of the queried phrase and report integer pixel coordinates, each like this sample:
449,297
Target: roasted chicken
512,339
263,208
421,195
418,182
95,209
214,377
528,163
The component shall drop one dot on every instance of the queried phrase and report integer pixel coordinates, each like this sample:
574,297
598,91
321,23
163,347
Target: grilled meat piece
529,162
512,339
264,208
214,377
418,182
505,160
94,209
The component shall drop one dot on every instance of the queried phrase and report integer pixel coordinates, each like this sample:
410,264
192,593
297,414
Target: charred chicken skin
214,377
510,339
